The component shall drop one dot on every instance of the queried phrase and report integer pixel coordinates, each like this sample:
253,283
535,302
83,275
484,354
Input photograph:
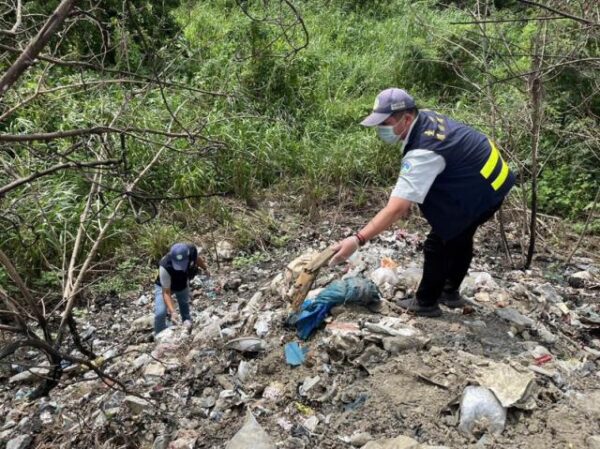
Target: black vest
179,279
476,178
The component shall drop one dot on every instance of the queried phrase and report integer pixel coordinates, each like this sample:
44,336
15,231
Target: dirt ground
415,392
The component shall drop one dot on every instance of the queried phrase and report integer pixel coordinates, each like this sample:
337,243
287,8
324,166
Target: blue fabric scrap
354,290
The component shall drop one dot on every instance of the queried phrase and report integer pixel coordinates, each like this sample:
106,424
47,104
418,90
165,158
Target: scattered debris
373,377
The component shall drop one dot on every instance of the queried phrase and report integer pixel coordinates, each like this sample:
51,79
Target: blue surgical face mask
387,134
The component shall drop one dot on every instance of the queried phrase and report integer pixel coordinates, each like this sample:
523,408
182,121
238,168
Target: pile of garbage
519,366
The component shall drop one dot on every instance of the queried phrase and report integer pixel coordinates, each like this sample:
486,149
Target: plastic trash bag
480,411
354,290
250,436
383,276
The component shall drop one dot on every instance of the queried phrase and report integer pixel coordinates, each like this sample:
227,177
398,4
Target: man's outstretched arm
395,209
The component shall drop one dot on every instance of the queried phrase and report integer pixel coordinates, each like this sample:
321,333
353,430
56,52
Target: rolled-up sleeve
419,170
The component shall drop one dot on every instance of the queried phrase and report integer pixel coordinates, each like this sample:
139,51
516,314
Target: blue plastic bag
294,354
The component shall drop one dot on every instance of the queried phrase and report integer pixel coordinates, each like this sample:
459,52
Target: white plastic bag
481,411
384,275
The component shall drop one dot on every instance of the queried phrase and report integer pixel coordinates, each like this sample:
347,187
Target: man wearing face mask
457,177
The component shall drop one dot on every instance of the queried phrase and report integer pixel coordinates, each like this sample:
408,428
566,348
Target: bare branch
97,68
556,11
38,174
35,46
83,85
18,12
524,19
16,277
84,132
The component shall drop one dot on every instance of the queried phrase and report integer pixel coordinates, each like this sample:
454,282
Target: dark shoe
412,305
452,300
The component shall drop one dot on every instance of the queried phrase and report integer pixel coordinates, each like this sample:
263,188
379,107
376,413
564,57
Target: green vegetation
287,117
250,260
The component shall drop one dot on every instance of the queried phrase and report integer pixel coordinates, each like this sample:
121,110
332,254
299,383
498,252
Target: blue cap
386,103
180,256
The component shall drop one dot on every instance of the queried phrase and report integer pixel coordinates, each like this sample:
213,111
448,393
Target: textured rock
145,323
580,279
156,369
549,293
20,442
137,405
397,345
593,442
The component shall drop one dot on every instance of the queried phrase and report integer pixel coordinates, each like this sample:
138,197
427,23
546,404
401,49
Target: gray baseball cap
386,103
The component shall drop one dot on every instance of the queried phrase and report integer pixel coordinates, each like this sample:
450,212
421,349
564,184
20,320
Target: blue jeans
160,308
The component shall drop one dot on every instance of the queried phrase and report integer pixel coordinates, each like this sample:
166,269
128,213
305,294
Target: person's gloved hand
344,249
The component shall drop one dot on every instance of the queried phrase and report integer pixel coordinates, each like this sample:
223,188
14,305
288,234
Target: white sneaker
187,324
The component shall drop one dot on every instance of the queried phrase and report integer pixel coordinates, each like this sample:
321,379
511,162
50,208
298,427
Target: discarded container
480,411
250,436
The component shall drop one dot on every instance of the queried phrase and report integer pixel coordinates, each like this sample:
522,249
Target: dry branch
23,62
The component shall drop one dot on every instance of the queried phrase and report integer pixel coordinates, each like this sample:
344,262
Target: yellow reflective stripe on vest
501,177
489,166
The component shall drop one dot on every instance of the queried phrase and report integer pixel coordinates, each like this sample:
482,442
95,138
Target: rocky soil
373,377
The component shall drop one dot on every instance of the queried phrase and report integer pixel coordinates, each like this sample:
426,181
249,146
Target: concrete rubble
374,379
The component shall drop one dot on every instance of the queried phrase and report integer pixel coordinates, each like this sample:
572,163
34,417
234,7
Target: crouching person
175,270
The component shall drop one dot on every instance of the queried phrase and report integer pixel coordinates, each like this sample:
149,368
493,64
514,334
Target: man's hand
344,249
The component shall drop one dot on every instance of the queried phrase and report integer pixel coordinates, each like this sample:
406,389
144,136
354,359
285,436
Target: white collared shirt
419,169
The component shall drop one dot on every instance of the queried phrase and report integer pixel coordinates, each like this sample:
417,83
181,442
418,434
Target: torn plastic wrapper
294,354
